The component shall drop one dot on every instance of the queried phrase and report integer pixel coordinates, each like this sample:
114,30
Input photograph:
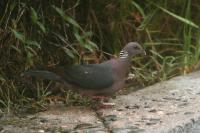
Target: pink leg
99,97
102,99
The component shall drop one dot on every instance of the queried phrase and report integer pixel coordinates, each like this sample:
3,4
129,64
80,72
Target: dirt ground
167,107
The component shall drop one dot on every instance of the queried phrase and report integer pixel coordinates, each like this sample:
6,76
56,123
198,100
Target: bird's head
131,49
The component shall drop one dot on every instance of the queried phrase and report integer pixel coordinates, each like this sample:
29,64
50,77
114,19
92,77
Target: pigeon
102,79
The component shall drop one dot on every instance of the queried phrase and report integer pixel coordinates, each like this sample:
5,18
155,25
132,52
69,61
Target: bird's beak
144,52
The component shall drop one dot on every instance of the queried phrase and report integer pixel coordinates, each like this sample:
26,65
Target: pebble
41,131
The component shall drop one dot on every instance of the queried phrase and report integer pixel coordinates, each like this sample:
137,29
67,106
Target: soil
166,107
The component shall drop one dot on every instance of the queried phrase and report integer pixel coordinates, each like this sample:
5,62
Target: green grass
42,34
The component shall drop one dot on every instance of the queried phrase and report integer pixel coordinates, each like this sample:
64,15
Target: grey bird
94,79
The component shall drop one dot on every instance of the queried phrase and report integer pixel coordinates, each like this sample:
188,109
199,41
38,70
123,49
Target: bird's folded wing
93,76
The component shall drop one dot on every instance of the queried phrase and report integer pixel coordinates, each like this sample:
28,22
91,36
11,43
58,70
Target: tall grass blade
184,20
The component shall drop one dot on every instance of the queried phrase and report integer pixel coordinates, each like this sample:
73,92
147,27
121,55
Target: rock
164,107
43,120
170,107
1,129
41,131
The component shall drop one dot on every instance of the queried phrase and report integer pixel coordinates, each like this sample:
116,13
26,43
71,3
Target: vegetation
42,34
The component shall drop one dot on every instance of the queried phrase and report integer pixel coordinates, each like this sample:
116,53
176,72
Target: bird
97,80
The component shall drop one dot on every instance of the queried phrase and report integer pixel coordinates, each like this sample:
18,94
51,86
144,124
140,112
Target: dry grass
42,34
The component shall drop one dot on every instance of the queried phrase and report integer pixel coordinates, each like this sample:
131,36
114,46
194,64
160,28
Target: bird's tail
43,74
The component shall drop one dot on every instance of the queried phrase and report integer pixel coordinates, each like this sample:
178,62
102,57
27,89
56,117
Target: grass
44,34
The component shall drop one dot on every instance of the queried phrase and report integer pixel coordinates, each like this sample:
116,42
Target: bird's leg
103,101
100,97
54,99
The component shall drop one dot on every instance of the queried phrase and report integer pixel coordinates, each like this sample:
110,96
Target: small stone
110,118
151,123
188,127
127,107
1,129
144,119
198,93
188,113
132,107
172,98
177,129
108,104
51,129
43,120
160,112
172,113
183,104
120,109
83,125
155,100
41,131
154,119
64,129
153,110
146,106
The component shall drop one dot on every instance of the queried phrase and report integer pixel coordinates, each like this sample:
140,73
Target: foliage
42,34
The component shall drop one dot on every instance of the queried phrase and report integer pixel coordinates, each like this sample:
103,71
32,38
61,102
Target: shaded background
42,34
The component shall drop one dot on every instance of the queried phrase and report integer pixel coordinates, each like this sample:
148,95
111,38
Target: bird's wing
92,76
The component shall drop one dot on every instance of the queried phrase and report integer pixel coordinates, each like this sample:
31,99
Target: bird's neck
124,64
123,54
124,57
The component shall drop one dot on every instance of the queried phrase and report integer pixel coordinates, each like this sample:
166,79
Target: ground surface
168,107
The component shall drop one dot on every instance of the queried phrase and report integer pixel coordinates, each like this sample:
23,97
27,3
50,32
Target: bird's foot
54,99
100,97
103,102
106,105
